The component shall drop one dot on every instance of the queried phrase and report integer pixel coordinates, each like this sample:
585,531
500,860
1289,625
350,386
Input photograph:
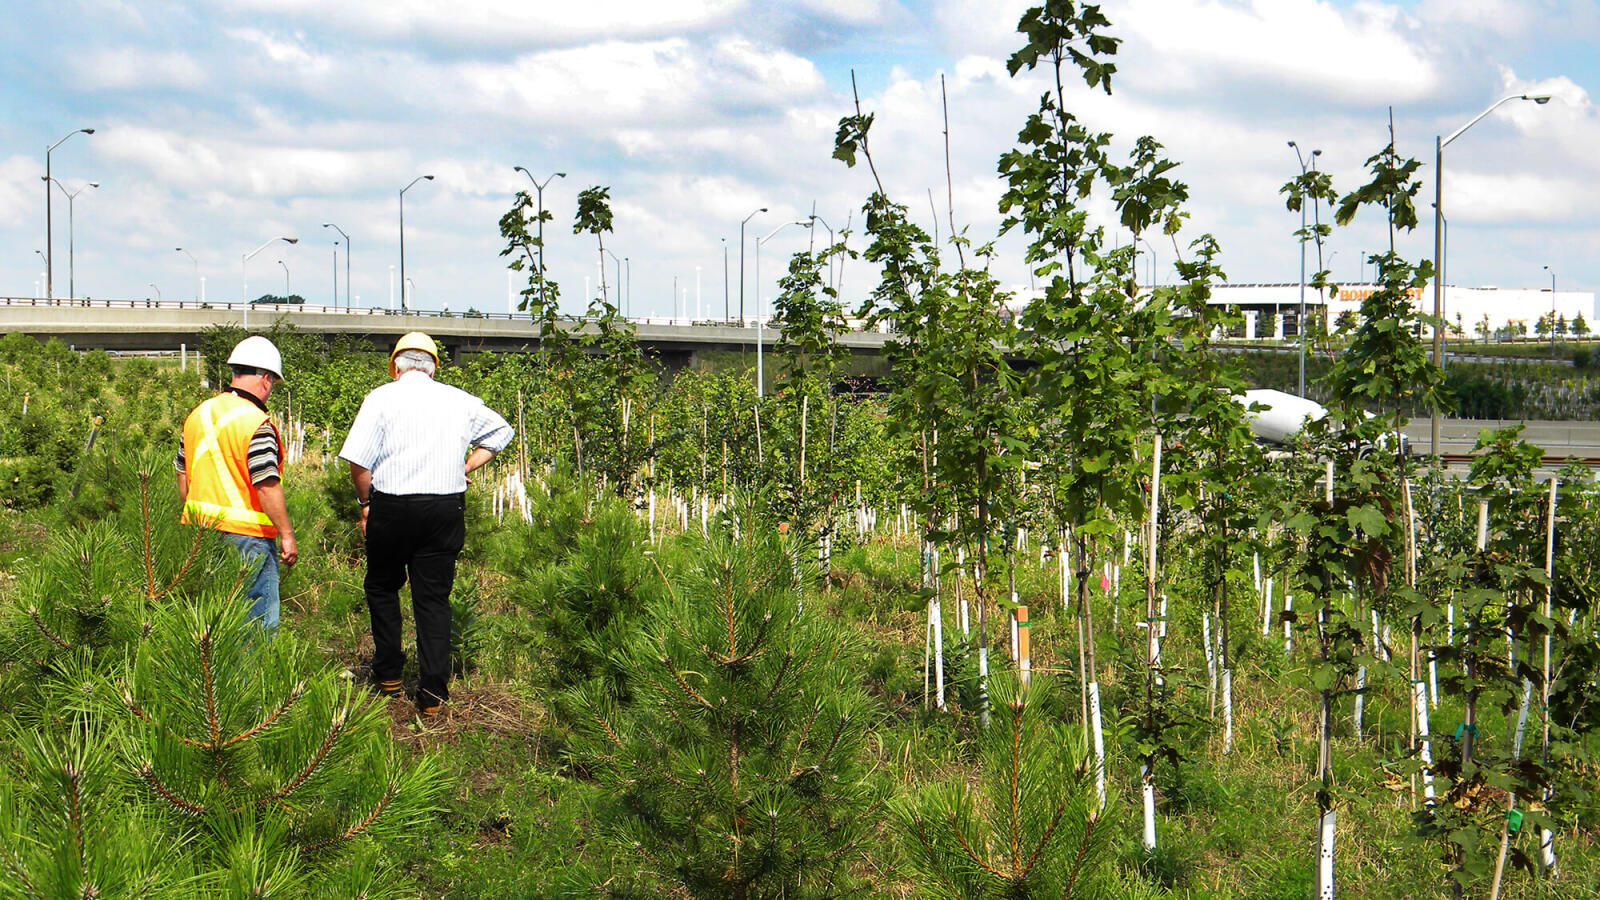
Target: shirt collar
260,404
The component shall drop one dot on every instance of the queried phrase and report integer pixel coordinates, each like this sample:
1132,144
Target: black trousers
420,536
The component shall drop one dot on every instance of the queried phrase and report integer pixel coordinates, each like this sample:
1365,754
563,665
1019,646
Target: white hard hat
257,352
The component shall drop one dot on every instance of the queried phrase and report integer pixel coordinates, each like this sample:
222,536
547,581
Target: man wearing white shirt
411,448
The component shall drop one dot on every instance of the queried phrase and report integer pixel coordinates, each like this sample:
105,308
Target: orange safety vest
216,447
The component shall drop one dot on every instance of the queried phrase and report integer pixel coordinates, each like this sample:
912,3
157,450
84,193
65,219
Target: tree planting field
1042,620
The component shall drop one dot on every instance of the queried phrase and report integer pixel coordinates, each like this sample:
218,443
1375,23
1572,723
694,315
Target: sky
222,125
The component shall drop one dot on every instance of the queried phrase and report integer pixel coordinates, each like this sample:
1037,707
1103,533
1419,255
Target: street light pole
403,237
538,188
196,271
244,282
49,230
1300,322
157,290
285,281
1439,143
619,277
346,267
727,311
72,240
1552,311
817,218
760,321
741,267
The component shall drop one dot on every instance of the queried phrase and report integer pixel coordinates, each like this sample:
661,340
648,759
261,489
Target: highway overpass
142,325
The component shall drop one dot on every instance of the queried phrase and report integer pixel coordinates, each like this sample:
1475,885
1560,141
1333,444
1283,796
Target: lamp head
94,184
87,130
429,177
1540,99
519,169
561,174
1293,144
763,209
1316,153
292,240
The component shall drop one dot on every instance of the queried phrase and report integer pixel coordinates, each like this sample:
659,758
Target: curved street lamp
49,251
1552,311
538,188
817,218
760,321
619,278
741,264
403,237
244,282
1438,237
285,280
72,253
1300,321
346,266
196,270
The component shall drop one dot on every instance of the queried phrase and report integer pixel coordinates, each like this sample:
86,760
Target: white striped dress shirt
414,434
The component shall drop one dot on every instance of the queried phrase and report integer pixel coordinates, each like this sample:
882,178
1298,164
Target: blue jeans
261,557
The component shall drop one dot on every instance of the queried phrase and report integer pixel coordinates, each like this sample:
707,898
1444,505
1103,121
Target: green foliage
739,769
1030,827
65,833
273,769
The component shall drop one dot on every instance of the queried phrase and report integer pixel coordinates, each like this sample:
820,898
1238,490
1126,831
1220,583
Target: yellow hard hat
414,340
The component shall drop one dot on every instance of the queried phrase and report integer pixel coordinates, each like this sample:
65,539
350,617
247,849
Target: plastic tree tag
1514,819
1464,728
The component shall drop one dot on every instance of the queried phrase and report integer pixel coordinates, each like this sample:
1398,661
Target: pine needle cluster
739,767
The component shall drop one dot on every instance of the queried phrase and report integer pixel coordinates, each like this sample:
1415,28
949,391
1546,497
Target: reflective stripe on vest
217,439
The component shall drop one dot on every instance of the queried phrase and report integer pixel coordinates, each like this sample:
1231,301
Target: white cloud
198,163
1358,55
1503,17
492,23
849,12
128,68
20,190
290,52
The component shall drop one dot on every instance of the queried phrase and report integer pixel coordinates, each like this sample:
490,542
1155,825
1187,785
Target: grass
522,820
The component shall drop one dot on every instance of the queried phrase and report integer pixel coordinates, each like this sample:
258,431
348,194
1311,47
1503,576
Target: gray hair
420,360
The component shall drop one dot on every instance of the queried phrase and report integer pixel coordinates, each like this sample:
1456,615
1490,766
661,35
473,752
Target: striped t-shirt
414,434
263,458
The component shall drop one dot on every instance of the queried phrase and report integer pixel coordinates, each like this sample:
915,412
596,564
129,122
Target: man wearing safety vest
411,448
230,462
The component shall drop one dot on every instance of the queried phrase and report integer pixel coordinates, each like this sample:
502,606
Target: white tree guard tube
1099,744
1266,609
938,634
961,569
1211,661
1425,744
1147,787
1255,570
1227,710
1015,649
1360,702
1433,680
1326,829
1288,630
1522,717
983,686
